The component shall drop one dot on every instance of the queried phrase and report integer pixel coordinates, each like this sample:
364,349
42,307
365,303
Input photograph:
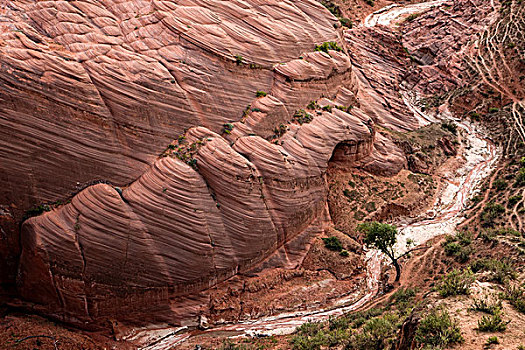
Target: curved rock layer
99,87
179,230
95,90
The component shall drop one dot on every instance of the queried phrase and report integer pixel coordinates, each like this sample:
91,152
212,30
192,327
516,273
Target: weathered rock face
96,90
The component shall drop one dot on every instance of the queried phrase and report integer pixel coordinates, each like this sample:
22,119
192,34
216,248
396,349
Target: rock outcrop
96,90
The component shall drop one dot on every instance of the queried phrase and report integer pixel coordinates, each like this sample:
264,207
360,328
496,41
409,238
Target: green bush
227,128
492,323
516,297
238,59
501,270
450,126
403,299
486,304
333,243
514,199
312,105
328,45
438,329
493,110
520,177
260,93
301,116
376,333
346,22
458,246
500,184
36,211
308,336
491,212
492,340
456,282
413,16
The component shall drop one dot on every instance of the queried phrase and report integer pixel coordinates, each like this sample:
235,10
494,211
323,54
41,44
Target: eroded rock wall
96,90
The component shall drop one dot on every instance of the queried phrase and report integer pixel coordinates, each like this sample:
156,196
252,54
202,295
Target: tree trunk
398,269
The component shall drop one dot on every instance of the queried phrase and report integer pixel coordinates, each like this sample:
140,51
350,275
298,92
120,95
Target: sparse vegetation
501,270
438,330
333,243
491,212
413,16
493,322
36,211
515,294
492,340
301,117
312,105
458,246
328,45
260,93
450,126
488,304
227,128
239,59
280,130
456,282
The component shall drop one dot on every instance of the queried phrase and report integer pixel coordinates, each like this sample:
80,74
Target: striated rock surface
94,91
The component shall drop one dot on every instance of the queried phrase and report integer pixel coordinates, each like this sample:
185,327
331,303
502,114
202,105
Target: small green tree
383,237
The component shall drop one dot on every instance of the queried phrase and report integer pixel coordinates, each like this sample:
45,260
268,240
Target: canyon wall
138,125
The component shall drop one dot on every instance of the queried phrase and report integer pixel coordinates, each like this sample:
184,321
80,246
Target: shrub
327,108
491,212
301,116
500,184
458,246
376,333
413,16
346,22
493,110
260,93
514,199
486,304
309,335
328,45
492,323
36,211
333,243
312,105
227,128
501,270
492,340
437,329
370,2
516,297
360,318
456,282
520,177
281,130
238,59
403,299
450,126
344,253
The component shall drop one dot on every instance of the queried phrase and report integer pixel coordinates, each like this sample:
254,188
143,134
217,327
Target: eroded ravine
477,161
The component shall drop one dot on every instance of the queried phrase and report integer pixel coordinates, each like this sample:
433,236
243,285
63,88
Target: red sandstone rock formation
96,90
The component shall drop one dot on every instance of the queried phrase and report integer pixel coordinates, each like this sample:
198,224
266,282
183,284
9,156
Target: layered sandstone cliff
97,90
